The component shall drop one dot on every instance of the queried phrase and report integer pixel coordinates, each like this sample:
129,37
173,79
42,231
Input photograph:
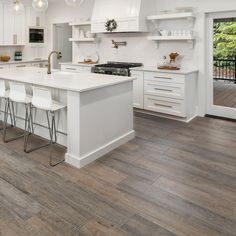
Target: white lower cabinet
138,89
166,105
166,93
4,67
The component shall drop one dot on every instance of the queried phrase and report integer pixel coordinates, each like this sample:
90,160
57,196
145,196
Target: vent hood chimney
129,15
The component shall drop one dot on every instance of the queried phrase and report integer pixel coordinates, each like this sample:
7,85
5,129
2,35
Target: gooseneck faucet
59,56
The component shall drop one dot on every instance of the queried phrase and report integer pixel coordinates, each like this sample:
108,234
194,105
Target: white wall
139,49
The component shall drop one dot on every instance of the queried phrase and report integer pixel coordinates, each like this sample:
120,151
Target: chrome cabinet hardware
165,90
162,105
21,66
37,21
158,77
70,68
14,39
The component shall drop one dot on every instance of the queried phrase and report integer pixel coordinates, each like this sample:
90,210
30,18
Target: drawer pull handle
158,77
166,90
70,68
21,66
162,105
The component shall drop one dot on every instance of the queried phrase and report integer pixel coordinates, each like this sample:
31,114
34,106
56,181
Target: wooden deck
172,179
225,94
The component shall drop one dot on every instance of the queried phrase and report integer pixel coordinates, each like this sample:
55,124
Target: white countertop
78,82
154,69
23,61
76,64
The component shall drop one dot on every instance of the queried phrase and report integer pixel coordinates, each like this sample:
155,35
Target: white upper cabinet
1,24
13,27
35,19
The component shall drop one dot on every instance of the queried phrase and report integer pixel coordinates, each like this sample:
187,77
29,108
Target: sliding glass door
221,64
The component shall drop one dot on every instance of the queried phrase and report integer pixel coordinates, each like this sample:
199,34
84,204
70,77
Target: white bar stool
42,99
17,95
4,95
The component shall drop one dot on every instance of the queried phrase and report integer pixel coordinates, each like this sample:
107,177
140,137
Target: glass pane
224,75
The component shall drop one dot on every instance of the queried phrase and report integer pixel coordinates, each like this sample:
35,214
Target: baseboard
80,162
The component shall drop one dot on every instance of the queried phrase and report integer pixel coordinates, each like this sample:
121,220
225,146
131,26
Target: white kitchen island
99,114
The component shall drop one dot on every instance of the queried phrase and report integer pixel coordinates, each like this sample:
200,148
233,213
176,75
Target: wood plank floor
172,179
225,94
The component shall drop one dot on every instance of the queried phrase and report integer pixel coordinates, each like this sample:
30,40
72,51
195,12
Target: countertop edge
153,69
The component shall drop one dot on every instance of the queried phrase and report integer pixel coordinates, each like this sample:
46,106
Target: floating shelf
171,16
80,23
189,39
168,38
82,39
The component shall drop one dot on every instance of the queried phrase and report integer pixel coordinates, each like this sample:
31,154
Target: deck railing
225,69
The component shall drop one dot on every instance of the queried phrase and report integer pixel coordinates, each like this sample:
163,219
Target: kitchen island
99,114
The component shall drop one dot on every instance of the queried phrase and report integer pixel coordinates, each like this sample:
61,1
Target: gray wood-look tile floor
172,179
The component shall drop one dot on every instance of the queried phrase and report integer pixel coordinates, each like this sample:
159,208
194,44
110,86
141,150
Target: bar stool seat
5,94
17,94
42,99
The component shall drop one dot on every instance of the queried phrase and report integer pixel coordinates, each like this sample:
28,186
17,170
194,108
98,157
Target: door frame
215,110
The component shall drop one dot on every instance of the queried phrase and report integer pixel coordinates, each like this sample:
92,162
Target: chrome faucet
59,56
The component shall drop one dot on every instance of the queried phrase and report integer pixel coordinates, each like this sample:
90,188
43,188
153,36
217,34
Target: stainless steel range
115,68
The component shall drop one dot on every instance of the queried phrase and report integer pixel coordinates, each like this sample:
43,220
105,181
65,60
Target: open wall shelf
172,16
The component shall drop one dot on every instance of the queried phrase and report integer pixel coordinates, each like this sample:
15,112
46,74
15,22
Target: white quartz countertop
78,82
154,69
77,64
23,61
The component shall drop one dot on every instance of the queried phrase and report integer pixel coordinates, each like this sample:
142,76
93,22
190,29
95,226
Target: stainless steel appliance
115,68
36,35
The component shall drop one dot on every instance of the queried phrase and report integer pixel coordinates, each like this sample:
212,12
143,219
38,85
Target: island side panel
104,122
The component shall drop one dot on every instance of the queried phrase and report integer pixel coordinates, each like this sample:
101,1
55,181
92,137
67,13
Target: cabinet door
8,25
1,24
19,29
36,19
138,89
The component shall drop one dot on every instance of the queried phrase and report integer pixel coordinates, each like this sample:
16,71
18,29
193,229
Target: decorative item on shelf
40,5
184,9
5,58
18,56
172,64
164,32
93,59
111,25
72,3
117,44
88,34
18,7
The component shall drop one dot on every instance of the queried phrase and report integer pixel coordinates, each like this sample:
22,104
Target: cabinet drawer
4,67
164,77
164,89
165,105
76,69
19,65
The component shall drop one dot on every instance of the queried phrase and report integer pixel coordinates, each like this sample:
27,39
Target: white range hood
130,15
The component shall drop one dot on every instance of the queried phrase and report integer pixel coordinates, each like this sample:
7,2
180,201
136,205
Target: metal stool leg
52,135
9,105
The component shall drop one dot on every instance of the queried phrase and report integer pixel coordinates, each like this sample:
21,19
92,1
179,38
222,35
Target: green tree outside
225,40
